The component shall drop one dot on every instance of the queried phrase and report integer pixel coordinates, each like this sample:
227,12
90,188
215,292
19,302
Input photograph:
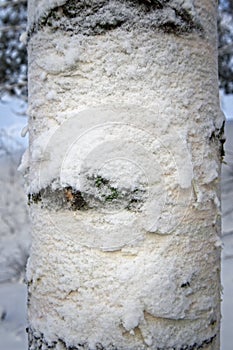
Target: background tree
13,55
225,37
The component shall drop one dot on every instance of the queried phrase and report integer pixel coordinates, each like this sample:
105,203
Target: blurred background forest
13,53
14,222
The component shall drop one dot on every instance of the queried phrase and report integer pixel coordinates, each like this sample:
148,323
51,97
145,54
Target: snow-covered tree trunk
125,152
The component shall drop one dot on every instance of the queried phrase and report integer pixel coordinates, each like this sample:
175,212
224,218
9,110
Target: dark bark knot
94,17
98,193
219,138
66,198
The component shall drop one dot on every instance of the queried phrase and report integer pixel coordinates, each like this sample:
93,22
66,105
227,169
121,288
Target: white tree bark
125,142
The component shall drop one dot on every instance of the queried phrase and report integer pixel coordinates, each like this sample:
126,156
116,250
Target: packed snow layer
38,9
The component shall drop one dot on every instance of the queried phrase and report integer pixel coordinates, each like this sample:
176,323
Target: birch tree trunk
124,158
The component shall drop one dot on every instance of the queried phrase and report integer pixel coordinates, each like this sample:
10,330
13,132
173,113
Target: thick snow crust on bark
126,123
38,9
96,17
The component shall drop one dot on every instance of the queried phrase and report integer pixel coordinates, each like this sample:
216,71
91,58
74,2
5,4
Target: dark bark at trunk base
36,341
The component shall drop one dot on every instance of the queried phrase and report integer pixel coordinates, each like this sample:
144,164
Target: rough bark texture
96,17
125,151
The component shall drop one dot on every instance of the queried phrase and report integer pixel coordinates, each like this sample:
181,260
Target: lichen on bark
100,194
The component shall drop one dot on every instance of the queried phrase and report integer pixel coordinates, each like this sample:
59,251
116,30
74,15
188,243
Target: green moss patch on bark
98,194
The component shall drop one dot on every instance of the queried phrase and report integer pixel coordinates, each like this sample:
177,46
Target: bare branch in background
16,3
13,54
225,39
7,28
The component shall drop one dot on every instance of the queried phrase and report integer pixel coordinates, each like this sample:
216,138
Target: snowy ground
13,324
227,255
14,243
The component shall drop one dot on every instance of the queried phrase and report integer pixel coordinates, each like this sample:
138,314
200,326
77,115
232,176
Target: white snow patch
133,315
23,38
43,76
39,8
24,131
23,167
211,171
71,56
51,95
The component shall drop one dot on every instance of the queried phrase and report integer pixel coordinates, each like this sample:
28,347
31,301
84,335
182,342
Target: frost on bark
124,160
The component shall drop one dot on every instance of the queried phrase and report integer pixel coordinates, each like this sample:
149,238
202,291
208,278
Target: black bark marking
64,198
36,340
219,138
196,346
75,199
94,17
99,194
185,285
34,198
